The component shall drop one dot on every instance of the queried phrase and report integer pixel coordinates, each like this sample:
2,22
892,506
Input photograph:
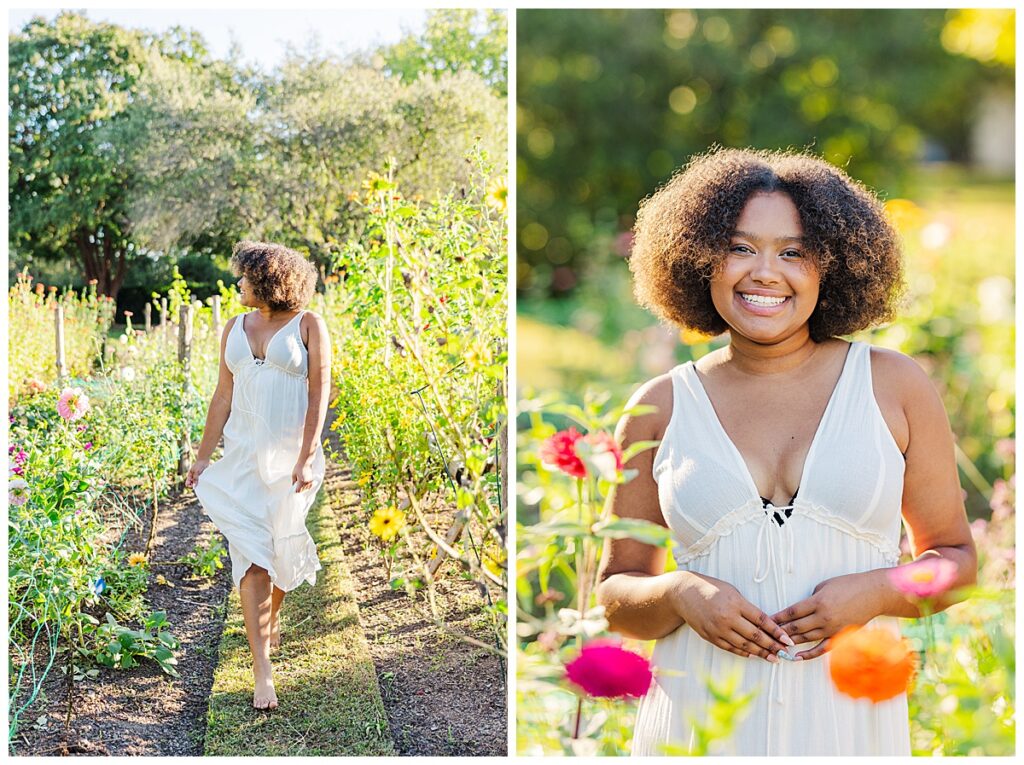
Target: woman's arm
318,345
640,600
217,414
933,510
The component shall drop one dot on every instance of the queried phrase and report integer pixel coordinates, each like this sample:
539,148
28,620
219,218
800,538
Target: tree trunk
102,262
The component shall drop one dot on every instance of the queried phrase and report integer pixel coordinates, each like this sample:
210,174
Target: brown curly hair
683,230
280,277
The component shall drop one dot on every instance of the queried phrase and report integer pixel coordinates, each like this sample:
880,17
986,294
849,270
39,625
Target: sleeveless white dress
844,519
248,493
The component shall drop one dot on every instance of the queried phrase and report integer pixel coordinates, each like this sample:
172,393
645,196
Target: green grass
330,702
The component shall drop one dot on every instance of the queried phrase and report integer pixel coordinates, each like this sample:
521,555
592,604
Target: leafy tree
71,82
455,40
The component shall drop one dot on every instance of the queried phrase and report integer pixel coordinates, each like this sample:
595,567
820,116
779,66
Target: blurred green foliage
611,102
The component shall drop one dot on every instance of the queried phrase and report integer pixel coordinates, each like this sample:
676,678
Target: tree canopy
128,148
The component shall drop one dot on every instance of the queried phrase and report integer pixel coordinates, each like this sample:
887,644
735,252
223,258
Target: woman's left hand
851,599
302,474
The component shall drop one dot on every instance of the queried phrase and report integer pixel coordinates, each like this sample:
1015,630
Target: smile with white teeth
762,299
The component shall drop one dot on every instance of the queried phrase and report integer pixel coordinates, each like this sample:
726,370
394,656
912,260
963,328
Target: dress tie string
766,554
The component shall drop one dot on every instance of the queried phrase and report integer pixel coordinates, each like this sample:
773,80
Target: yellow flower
693,337
363,479
497,194
904,214
137,559
387,522
494,565
161,580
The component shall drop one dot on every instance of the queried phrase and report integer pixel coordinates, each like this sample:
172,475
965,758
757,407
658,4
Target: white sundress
248,493
845,519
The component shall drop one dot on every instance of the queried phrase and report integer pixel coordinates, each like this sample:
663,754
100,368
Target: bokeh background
917,104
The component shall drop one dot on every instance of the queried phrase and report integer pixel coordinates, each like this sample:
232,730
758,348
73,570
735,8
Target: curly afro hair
682,236
280,277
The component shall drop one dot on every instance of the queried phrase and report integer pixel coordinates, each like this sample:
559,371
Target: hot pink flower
73,404
605,669
559,451
924,578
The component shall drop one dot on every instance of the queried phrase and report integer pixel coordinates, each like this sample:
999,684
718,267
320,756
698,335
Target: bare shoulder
896,373
647,425
312,324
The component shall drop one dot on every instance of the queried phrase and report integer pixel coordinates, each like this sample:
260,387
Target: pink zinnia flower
73,404
88,445
605,669
559,451
17,491
924,578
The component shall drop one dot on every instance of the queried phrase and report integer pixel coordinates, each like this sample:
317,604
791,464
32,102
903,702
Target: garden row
94,454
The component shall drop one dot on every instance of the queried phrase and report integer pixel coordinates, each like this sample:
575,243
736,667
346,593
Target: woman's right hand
195,471
718,613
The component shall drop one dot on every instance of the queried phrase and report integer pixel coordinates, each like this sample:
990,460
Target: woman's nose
764,269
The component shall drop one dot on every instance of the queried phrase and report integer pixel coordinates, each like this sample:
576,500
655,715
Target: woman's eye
793,254
741,248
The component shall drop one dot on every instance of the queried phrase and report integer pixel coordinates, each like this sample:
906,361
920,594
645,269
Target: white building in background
992,136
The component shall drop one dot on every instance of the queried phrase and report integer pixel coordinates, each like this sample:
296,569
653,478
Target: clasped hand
717,612
851,599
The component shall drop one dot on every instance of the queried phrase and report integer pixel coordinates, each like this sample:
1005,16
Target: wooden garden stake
215,307
62,367
185,359
147,313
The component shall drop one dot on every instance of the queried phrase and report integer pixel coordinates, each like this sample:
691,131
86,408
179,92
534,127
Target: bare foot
264,696
275,634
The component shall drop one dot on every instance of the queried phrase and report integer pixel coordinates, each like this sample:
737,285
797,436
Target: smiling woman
786,459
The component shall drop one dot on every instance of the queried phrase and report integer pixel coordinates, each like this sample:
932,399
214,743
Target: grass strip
330,702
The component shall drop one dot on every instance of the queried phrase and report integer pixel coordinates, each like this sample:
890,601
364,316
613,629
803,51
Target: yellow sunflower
497,194
137,559
387,522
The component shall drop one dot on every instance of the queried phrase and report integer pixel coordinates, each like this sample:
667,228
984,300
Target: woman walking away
269,404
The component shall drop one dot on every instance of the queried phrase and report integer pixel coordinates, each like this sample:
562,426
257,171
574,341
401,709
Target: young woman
786,459
270,404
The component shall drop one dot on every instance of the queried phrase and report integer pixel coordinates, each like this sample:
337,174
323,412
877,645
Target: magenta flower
605,669
88,445
72,404
924,578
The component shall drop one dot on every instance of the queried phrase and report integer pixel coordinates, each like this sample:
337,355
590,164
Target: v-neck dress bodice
845,519
248,493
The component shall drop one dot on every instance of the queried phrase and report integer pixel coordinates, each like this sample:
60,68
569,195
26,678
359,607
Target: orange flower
870,663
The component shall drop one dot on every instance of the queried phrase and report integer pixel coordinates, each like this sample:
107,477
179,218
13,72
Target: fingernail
773,659
799,658
787,640
783,655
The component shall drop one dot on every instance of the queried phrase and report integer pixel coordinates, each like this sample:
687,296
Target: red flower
605,669
559,452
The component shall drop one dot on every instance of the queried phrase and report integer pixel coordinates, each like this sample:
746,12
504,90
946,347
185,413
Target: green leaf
633,528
